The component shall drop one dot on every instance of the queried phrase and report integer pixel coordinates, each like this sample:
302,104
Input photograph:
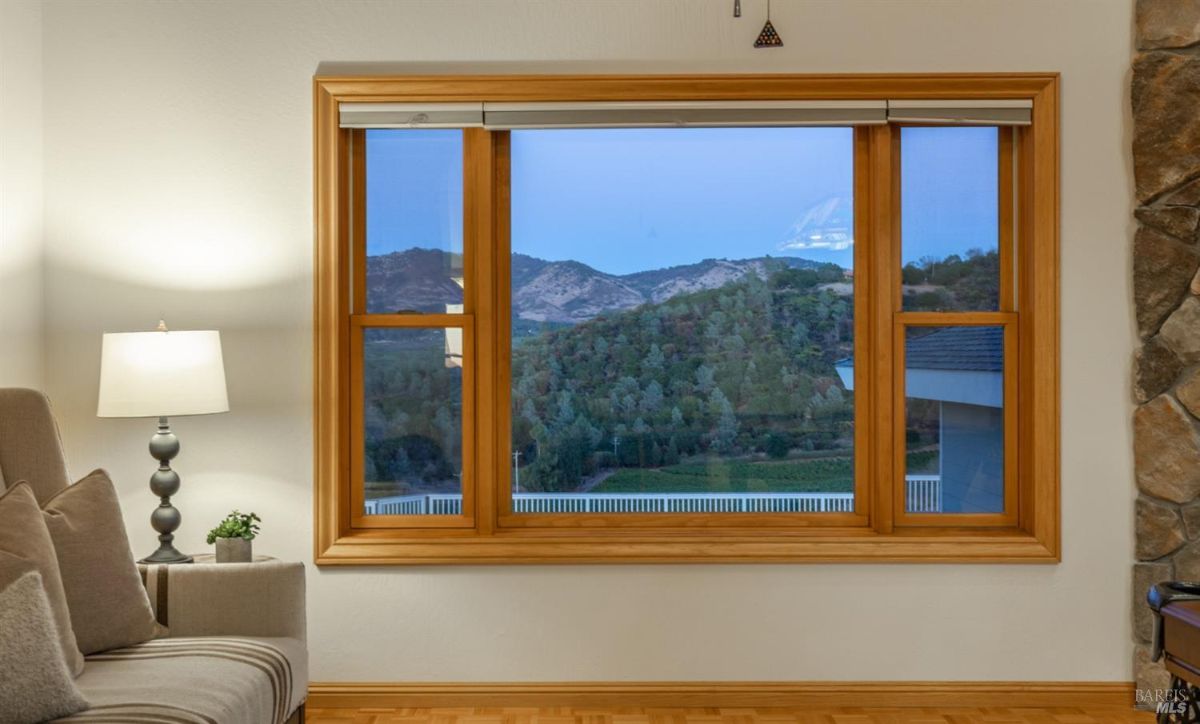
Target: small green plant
236,525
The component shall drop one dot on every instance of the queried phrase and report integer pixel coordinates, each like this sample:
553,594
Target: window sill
947,545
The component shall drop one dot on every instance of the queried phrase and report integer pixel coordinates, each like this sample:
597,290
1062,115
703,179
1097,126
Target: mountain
414,280
562,292
568,291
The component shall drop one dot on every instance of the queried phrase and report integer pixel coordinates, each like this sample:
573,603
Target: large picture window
679,299
632,329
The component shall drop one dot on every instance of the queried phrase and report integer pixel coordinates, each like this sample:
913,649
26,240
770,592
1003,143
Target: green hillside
736,372
969,282
730,389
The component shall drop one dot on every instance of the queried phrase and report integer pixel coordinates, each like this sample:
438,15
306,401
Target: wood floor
842,715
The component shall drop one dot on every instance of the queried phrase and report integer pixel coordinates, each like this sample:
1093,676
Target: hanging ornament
737,8
768,38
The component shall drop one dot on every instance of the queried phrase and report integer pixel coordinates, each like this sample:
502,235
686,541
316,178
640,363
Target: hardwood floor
838,715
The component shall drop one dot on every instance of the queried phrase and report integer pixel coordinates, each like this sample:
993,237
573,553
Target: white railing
683,502
923,495
440,504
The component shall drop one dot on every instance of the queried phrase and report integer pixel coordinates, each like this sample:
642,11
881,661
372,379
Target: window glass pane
949,206
682,305
954,419
412,409
414,220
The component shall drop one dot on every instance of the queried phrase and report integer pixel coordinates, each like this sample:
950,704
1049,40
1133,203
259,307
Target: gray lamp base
164,483
166,554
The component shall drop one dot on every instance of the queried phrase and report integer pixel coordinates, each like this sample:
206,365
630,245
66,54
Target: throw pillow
108,603
35,684
23,534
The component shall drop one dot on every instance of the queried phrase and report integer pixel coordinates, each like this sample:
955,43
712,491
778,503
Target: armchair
235,651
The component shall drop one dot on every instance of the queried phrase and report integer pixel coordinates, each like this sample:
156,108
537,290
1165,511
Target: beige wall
178,182
21,194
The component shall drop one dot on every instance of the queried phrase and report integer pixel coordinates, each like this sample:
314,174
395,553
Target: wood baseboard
724,694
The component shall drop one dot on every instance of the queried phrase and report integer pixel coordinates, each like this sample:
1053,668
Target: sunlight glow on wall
173,251
183,250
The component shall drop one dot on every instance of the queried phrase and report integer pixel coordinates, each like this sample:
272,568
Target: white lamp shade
161,374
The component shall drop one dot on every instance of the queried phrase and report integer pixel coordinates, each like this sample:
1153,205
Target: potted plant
233,535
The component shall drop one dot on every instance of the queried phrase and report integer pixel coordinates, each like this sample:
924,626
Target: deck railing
438,504
923,495
683,502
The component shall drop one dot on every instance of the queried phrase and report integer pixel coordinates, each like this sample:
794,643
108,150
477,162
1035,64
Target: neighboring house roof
978,349
952,364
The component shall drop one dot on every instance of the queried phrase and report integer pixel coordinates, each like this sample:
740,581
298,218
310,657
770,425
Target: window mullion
883,223
358,220
480,225
1007,230
500,423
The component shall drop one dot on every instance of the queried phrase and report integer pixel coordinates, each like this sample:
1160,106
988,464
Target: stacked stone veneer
1166,290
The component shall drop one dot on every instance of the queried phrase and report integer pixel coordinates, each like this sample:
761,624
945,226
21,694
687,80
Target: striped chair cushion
209,680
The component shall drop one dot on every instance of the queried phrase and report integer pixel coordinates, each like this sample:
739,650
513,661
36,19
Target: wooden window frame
880,531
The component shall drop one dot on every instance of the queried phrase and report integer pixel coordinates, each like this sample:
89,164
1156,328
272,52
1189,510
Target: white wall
178,182
21,194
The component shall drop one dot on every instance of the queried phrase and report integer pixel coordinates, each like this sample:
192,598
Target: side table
211,558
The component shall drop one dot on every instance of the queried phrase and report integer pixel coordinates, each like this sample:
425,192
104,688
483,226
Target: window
702,328
679,299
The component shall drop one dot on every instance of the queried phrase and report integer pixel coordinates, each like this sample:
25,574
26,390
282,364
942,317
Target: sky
627,200
949,191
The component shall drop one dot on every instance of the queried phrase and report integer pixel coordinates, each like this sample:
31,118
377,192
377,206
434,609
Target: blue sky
949,191
625,200
414,190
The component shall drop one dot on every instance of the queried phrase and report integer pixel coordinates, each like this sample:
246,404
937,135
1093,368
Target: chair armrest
265,598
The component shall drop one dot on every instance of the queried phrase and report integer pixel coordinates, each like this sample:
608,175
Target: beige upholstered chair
235,652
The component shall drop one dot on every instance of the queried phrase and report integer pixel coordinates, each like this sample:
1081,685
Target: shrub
777,445
236,525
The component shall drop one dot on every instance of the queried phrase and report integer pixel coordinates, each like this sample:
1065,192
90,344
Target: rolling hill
557,292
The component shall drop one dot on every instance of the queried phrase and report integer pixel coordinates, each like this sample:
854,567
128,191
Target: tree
726,432
654,360
528,411
566,410
652,398
799,334
718,402
447,428
777,445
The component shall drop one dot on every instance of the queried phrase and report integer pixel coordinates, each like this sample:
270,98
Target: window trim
1035,536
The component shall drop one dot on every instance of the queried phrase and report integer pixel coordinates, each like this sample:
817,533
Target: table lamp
162,374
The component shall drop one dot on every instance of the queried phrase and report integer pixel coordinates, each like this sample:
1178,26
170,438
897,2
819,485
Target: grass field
821,475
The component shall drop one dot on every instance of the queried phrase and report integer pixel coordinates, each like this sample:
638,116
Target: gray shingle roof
979,349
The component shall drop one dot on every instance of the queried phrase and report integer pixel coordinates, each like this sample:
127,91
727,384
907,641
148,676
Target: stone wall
1166,289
